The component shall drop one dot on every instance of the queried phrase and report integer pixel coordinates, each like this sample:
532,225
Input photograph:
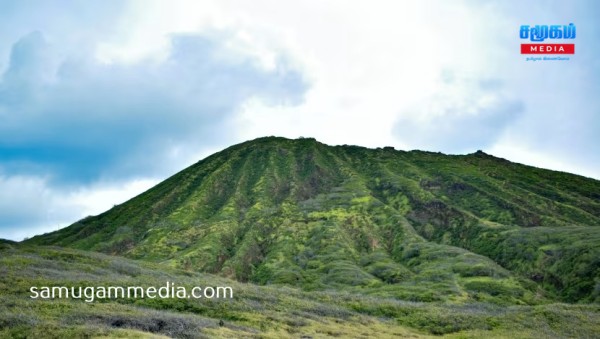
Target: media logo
539,33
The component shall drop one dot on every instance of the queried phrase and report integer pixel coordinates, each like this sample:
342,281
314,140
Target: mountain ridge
412,224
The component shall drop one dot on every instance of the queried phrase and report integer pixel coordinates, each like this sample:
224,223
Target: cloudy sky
100,100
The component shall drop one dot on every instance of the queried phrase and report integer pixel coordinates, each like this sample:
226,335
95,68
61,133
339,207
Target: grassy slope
415,226
255,311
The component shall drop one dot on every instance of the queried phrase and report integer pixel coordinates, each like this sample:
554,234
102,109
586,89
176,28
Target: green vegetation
417,242
255,311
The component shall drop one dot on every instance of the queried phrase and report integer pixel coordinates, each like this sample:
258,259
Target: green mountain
414,226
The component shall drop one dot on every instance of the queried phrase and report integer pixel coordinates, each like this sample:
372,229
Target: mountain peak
299,212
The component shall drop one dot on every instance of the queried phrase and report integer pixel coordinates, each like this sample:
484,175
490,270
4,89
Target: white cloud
465,114
31,205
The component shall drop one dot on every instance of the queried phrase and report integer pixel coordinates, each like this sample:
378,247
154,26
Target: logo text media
540,33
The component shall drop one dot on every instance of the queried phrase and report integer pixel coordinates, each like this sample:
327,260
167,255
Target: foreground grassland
254,312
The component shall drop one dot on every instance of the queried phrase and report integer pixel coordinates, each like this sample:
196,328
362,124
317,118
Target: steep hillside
253,312
413,225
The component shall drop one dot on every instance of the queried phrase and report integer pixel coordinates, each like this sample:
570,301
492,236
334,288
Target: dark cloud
76,120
